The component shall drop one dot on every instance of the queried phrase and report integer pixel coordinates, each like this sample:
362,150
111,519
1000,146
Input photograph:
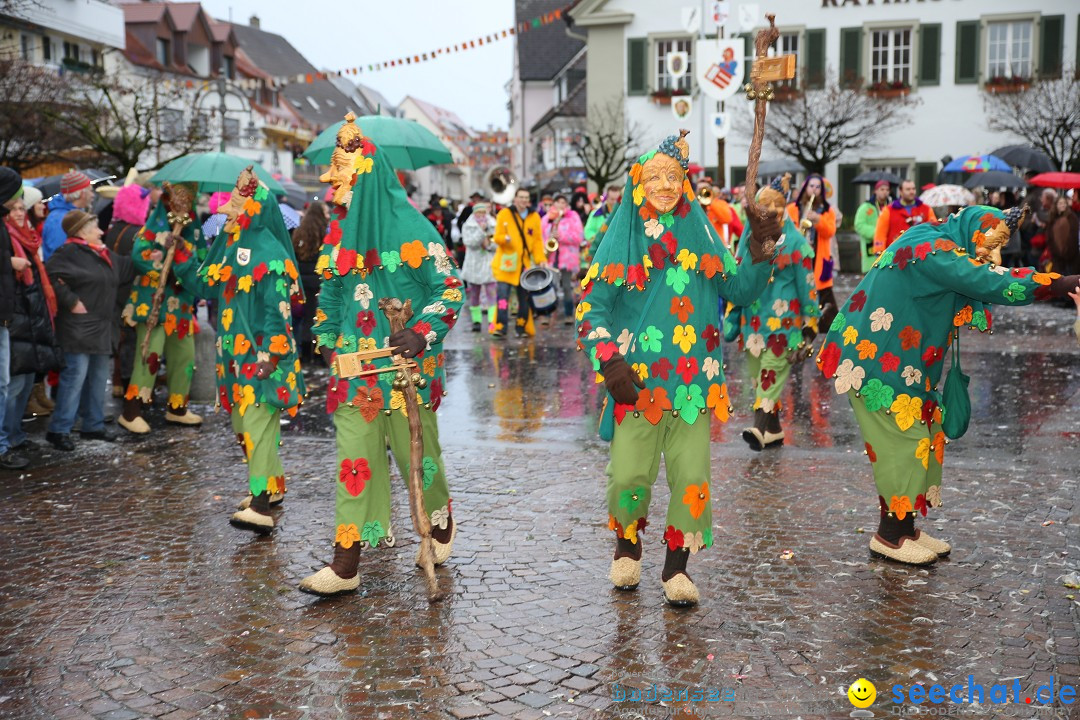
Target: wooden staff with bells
764,71
179,200
407,380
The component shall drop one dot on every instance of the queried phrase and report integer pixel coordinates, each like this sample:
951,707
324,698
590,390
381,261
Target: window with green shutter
967,52
738,175
851,56
930,54
925,173
847,196
1051,45
637,63
815,59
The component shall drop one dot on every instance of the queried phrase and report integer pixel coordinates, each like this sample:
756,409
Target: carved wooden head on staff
350,139
246,185
179,198
764,71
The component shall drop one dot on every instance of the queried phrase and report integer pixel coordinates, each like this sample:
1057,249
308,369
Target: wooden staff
398,314
179,202
764,71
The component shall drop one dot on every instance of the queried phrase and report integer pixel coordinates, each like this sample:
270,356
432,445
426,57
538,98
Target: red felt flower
711,335
858,301
449,319
605,350
372,259
635,275
755,323
889,362
777,343
283,394
673,538
436,394
920,504
682,209
452,282
687,368
182,327
658,255
670,243
662,368
223,396
346,261
355,474
1021,272
922,250
928,409
830,359
902,257
333,234
932,355
365,320
259,272
230,288
870,452
422,328
884,505
336,393
768,379
153,363
794,306
909,338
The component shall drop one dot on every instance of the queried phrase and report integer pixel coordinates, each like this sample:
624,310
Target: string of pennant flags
279,81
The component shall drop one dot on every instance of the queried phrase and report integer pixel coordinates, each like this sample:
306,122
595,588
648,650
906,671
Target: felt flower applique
346,535
652,404
598,333
866,349
922,452
625,340
684,336
711,367
933,495
689,401
755,344
650,339
677,279
630,499
906,409
718,402
779,306
851,336
880,320
372,533
363,295
687,259
900,506
696,498
653,228
435,308
849,376
355,474
441,518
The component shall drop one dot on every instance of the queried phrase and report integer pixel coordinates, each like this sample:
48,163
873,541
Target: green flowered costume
173,338
252,275
382,247
771,326
886,346
675,350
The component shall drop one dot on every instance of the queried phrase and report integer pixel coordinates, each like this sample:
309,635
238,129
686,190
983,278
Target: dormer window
164,51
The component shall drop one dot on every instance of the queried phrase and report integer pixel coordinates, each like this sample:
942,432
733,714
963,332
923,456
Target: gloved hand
765,231
327,355
264,369
621,380
804,349
1064,285
407,343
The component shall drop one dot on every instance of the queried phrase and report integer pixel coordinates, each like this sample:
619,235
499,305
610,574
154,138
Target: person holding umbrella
251,273
885,348
379,246
172,337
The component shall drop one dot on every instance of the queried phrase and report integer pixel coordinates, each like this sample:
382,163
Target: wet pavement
124,593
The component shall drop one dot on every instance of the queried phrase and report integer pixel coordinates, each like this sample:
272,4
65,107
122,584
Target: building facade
68,36
944,53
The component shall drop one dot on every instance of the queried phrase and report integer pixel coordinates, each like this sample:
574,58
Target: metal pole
721,161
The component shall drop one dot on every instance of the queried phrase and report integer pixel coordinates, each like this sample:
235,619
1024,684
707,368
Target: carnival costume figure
777,329
649,321
172,338
379,246
251,274
817,218
885,351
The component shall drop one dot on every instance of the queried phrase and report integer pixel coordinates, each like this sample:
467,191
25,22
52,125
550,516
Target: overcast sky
350,33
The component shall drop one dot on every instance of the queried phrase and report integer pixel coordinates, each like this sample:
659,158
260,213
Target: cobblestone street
124,592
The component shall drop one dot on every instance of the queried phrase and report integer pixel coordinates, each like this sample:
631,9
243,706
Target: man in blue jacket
76,193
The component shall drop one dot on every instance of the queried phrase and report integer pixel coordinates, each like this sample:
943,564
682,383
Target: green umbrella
214,171
408,144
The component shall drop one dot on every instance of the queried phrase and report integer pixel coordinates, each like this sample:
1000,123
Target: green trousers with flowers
259,429
906,462
363,474
636,449
179,356
768,376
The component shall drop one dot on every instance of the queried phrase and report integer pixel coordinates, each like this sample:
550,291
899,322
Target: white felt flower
755,344
849,377
911,375
711,367
880,320
363,295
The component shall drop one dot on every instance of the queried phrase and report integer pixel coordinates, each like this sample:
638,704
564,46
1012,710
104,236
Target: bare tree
1046,116
29,97
608,145
136,121
816,127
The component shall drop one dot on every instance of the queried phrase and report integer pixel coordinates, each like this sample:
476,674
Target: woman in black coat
34,350
86,276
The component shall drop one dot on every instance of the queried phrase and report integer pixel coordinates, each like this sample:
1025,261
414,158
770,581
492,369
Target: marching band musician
519,244
817,219
565,227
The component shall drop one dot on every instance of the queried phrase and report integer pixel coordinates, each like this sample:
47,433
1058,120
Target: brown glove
621,380
765,231
407,343
264,369
804,349
1064,285
327,355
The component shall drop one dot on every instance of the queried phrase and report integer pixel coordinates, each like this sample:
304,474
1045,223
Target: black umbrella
1025,157
50,186
994,179
874,176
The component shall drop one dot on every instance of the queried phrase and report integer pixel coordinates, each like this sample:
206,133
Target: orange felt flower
241,345
346,535
963,317
867,350
613,272
413,253
635,173
718,401
900,506
369,402
697,497
710,265
279,344
1044,278
944,244
910,338
169,324
939,447
681,307
652,404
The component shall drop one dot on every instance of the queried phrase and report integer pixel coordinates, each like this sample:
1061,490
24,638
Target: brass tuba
503,184
552,243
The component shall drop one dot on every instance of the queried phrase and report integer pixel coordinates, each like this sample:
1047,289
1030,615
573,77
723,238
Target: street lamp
223,90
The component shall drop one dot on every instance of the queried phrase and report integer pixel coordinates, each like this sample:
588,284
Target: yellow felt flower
323,263
639,194
922,452
247,398
364,344
452,294
684,336
226,318
363,164
594,272
906,410
142,309
630,533
851,336
176,401
582,308
773,323
397,401
244,284
642,370
687,259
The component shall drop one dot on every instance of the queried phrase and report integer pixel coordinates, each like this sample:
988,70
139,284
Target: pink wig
218,199
131,205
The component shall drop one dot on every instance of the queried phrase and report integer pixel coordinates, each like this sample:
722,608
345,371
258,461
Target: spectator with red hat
76,193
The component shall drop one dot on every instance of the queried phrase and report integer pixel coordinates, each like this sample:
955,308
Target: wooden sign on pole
773,69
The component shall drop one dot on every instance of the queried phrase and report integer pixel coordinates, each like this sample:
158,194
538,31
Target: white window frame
783,47
913,51
658,63
984,41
